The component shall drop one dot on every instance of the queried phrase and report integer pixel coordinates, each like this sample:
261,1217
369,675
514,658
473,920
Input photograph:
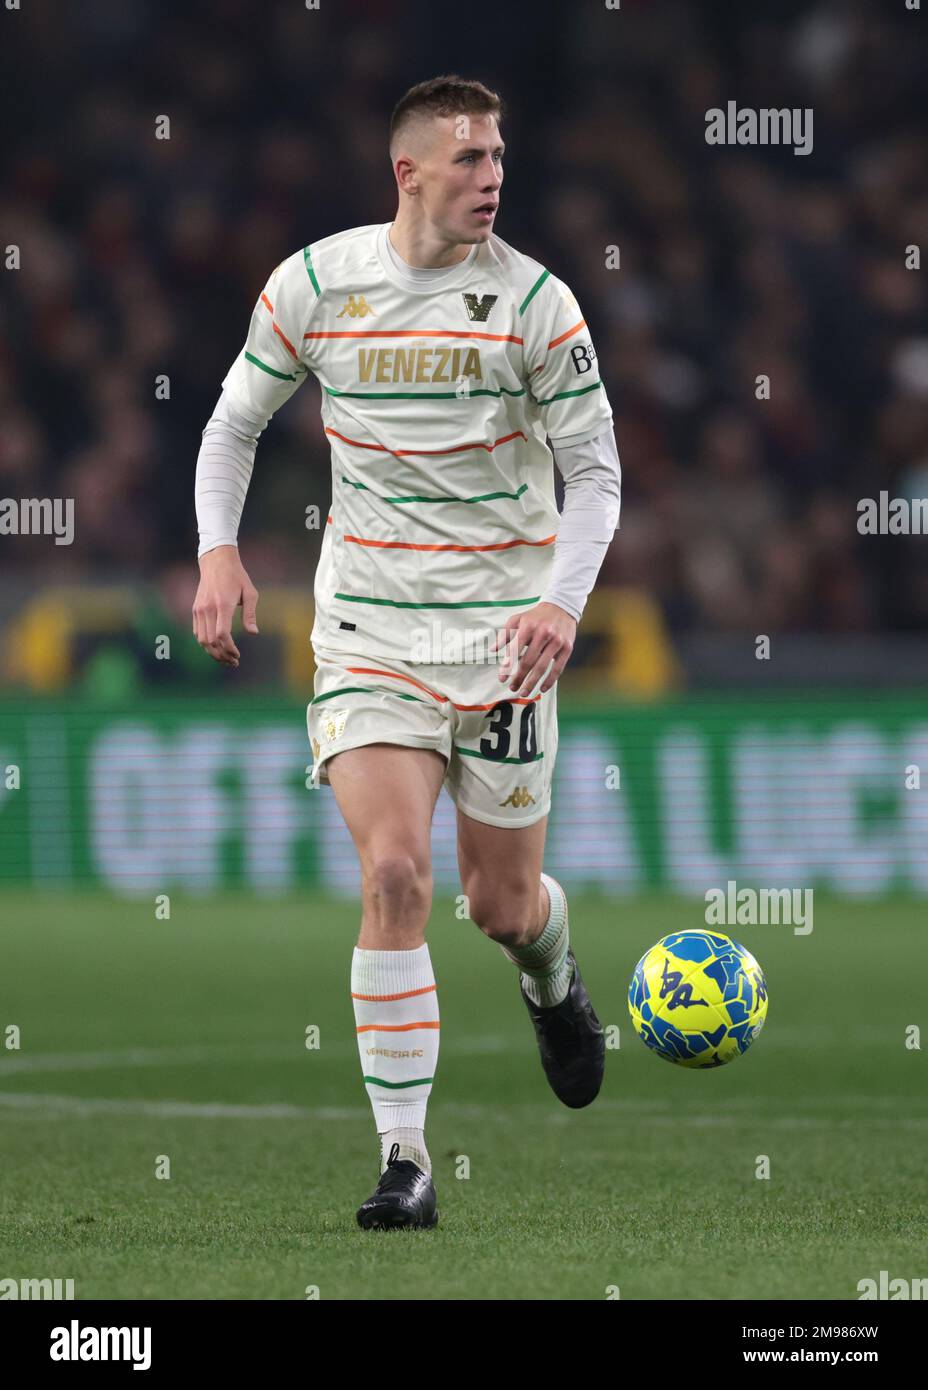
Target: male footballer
448,589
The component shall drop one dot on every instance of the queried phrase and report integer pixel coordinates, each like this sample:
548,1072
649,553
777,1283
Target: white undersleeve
592,500
224,466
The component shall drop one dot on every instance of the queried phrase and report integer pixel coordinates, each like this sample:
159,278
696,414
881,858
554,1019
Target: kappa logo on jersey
583,355
478,310
519,797
356,307
333,724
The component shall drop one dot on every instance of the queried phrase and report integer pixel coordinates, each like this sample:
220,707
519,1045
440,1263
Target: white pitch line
118,1059
139,1057
216,1110
231,1052
177,1109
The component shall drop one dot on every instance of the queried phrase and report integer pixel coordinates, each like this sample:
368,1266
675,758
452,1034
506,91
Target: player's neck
424,252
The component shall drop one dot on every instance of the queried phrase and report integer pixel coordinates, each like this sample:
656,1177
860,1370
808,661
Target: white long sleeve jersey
436,399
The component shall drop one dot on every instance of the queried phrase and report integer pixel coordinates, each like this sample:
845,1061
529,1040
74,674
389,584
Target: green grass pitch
186,1038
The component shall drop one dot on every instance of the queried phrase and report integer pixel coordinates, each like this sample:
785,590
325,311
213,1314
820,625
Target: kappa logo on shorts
333,724
519,797
316,748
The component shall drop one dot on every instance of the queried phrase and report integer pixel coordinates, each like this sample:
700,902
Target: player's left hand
543,634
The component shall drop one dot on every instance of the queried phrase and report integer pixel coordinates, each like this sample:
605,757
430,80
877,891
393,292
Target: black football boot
405,1196
571,1043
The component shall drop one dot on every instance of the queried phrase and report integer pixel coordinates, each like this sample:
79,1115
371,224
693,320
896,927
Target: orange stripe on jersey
425,453
416,333
286,341
570,332
375,671
504,699
382,998
395,675
410,545
393,1027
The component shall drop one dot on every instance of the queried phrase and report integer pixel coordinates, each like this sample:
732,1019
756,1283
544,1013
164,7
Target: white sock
396,1015
546,971
411,1142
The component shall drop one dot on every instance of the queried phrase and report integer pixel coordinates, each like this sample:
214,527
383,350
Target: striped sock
546,971
396,1013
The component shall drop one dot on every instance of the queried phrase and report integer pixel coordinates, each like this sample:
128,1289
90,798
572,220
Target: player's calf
510,914
569,1035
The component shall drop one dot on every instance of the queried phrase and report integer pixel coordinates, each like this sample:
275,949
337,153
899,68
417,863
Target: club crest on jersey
478,310
356,307
333,724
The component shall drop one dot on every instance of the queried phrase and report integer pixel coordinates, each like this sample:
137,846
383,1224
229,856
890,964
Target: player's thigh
386,794
500,869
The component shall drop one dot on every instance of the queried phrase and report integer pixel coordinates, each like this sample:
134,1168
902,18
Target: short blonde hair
449,95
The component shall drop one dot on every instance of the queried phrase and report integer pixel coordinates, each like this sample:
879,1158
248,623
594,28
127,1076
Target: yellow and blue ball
698,998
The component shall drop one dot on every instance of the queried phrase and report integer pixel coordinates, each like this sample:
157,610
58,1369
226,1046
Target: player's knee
397,880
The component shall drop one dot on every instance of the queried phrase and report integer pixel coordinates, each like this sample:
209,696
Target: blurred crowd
141,260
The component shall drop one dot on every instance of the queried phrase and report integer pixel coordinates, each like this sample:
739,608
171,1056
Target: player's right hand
224,585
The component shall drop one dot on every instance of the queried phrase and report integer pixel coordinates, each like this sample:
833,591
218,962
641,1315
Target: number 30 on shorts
501,718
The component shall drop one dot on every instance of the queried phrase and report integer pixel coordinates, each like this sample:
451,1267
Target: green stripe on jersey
562,395
282,376
484,497
419,395
366,690
476,603
472,753
308,262
533,291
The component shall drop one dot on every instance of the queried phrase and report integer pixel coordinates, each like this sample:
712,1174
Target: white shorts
499,749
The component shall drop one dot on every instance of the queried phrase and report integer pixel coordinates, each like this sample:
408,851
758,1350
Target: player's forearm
224,468
592,501
576,565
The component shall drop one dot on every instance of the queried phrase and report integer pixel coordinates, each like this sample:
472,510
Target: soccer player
448,589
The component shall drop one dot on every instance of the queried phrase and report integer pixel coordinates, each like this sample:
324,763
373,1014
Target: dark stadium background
145,256
142,259
140,786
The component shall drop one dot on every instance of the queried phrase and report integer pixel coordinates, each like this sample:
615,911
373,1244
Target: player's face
462,176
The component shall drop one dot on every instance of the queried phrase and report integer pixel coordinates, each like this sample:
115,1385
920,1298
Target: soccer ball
698,999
